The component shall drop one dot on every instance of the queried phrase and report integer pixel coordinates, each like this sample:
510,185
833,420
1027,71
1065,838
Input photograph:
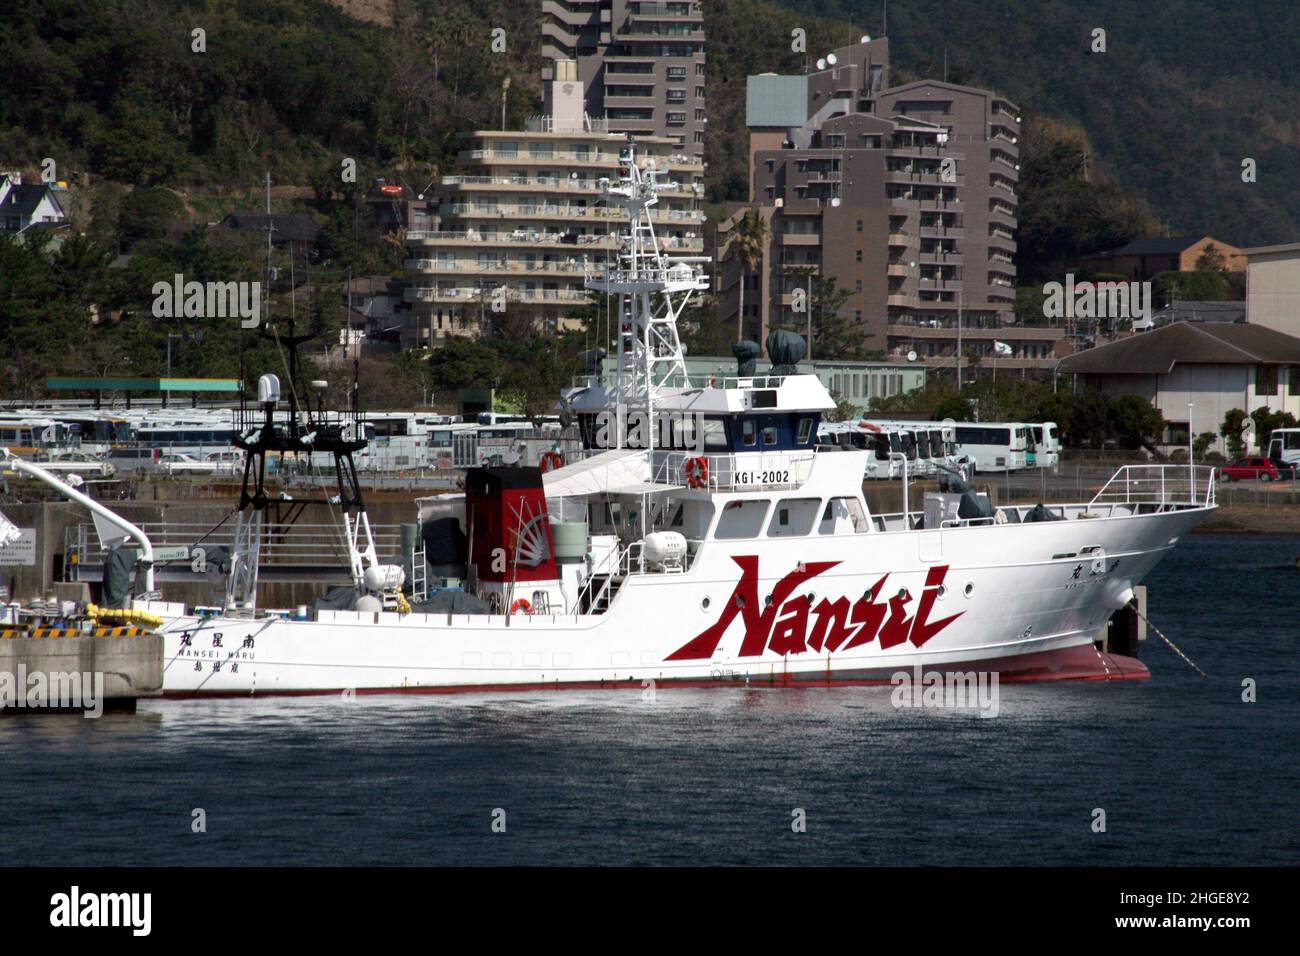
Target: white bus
1046,445
1284,445
936,444
993,446
882,442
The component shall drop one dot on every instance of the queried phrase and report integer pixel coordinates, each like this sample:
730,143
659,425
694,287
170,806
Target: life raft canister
551,460
696,471
521,605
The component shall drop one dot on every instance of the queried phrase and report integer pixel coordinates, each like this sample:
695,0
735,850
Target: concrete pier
79,673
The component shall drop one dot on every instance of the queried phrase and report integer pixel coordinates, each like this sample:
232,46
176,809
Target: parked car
186,465
134,460
78,463
1261,469
227,462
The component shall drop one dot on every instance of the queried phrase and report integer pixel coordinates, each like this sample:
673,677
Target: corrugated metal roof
772,100
1202,343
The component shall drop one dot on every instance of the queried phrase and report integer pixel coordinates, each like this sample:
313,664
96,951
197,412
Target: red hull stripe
1075,663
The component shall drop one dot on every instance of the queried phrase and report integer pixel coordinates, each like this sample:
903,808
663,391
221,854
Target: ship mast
653,290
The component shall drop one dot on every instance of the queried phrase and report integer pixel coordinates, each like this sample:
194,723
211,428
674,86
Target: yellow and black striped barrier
11,633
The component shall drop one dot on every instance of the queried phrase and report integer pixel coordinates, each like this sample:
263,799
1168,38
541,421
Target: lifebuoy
696,472
521,604
551,460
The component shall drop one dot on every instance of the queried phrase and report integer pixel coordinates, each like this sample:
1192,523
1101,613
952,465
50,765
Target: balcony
499,267
477,293
935,257
518,237
523,157
900,239
1003,241
903,301
552,183
905,177
801,238
942,232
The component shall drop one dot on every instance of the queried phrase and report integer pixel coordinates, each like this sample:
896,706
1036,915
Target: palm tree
748,240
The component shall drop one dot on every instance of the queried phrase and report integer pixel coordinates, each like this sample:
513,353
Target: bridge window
793,517
715,435
805,430
748,432
843,516
770,435
741,519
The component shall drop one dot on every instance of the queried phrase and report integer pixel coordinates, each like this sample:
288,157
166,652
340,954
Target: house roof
1160,246
286,227
23,198
1201,343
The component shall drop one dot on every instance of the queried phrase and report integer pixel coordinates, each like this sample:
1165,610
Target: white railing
746,472
1159,484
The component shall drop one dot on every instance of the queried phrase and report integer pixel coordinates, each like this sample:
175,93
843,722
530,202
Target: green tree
1189,287
1201,444
746,244
464,363
1230,429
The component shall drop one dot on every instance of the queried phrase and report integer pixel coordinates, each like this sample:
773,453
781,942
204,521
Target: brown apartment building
904,195
641,63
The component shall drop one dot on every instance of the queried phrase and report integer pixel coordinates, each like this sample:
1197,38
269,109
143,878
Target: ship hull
1025,601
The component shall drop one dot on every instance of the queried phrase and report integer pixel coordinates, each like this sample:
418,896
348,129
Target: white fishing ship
705,538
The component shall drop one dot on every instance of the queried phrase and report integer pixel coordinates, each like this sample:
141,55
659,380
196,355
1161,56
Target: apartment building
641,63
516,228
904,195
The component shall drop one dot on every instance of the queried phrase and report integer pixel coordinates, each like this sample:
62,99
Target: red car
1262,469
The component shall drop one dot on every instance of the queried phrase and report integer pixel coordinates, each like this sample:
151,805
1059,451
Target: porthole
811,598
867,596
970,588
767,601
903,595
704,604
941,591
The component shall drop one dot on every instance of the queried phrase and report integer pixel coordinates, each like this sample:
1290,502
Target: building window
1265,379
676,74
676,119
1293,379
676,96
859,230
858,255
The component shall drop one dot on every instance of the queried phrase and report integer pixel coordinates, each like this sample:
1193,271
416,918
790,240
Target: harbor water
1186,772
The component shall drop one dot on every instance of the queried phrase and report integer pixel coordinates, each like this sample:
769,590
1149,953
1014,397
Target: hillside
1185,91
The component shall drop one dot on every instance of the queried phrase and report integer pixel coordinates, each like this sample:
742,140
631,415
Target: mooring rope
1172,645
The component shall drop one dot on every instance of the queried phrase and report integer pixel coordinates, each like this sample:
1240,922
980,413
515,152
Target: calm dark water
1186,772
